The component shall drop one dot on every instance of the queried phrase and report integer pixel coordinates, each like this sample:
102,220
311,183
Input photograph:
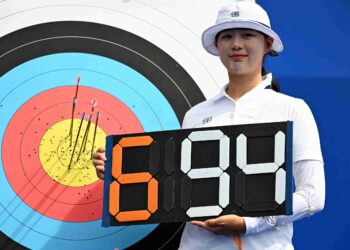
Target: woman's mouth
238,57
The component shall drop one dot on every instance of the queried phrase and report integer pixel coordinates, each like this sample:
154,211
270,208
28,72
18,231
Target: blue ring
35,76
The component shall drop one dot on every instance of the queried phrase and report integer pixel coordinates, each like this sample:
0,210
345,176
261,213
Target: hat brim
208,36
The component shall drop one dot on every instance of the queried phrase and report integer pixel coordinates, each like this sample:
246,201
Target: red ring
22,138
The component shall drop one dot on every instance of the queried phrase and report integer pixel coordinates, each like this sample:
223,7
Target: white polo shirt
262,105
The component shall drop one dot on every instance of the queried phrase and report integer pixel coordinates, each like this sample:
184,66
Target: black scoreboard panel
196,174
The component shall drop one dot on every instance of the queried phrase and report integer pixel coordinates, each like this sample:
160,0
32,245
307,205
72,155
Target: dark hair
217,36
275,85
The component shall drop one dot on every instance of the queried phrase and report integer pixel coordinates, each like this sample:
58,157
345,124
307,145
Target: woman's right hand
98,159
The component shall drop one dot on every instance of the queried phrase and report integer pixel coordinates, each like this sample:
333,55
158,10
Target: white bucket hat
242,14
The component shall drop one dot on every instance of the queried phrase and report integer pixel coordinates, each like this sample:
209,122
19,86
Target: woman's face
242,50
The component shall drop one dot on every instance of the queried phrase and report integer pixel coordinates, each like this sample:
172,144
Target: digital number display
188,174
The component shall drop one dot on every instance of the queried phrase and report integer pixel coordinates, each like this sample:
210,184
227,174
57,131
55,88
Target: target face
50,199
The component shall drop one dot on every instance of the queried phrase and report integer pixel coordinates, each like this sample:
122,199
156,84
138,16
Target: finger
204,224
99,156
218,231
214,222
201,224
214,230
198,223
101,150
100,171
100,175
98,163
100,168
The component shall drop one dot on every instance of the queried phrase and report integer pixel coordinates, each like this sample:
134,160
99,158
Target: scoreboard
196,174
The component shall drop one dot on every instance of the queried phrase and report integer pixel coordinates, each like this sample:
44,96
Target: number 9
199,173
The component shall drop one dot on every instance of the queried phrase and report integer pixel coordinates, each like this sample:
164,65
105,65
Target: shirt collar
261,86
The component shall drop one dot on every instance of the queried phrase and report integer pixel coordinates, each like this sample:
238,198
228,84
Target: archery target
138,88
166,23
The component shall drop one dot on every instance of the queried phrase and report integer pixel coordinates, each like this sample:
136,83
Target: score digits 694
181,175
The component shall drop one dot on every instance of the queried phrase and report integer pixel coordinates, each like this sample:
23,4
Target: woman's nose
236,42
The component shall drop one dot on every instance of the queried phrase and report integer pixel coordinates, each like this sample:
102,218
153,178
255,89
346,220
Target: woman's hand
98,159
226,224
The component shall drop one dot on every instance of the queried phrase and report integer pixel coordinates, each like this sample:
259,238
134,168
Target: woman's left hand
226,224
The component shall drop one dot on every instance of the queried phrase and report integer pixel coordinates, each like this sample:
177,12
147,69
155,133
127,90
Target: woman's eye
226,36
246,35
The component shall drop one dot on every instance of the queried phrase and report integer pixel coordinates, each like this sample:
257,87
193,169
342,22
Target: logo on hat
235,13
